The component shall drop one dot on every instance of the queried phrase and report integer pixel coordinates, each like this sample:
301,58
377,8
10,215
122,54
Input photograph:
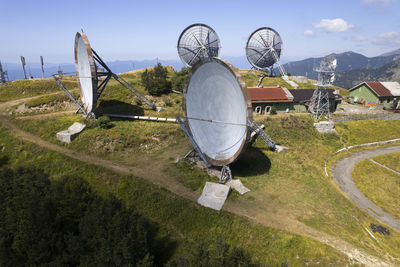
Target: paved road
342,175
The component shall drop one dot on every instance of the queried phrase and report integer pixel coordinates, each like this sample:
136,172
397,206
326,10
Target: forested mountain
387,72
347,61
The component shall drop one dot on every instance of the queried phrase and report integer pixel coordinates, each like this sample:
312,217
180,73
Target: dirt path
342,174
146,171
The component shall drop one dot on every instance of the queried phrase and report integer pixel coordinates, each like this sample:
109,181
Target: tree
65,223
178,79
155,80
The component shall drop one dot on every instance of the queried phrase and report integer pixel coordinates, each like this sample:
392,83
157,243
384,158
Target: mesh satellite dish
196,42
263,50
89,73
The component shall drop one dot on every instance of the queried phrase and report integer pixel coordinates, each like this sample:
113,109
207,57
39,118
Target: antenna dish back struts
196,42
89,75
319,103
263,50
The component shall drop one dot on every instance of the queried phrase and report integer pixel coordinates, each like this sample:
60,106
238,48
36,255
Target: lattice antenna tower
319,103
93,75
263,51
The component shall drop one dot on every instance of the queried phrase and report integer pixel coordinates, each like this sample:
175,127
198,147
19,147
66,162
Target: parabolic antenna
196,42
88,75
217,110
85,71
263,50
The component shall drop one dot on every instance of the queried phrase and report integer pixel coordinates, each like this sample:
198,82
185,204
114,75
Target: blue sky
137,30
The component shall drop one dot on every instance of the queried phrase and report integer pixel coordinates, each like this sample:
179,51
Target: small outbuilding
264,98
377,94
297,100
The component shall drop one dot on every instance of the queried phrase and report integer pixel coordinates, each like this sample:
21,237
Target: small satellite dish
263,50
86,71
216,111
196,42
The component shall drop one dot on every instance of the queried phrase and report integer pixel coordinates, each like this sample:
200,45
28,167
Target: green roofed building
377,94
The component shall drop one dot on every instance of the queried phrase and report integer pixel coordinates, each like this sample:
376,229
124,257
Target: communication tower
319,103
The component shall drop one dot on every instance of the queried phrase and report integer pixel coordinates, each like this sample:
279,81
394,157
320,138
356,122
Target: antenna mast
319,103
23,66
42,63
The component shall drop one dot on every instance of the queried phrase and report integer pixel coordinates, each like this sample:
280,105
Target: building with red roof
377,94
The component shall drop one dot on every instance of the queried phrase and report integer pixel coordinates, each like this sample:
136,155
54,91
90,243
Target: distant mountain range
352,68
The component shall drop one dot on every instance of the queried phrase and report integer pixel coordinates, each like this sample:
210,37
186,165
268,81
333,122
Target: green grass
27,88
378,184
390,160
50,99
360,132
178,219
283,185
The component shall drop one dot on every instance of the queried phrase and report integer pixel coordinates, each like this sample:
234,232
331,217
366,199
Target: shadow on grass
119,107
252,162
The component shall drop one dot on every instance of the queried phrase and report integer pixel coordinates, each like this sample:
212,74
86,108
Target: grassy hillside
180,222
380,185
288,190
390,160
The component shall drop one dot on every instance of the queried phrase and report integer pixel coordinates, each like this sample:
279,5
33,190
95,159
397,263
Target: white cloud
388,35
309,33
359,38
334,25
387,39
378,2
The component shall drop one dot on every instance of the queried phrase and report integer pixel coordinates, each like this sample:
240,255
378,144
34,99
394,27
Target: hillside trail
342,174
154,174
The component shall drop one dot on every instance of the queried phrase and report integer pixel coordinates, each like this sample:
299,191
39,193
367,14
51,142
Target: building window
267,109
258,110
387,100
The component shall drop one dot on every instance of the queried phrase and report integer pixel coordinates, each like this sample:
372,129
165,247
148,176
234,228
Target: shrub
178,79
272,111
155,80
104,122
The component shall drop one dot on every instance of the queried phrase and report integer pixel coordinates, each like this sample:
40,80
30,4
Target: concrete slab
325,126
73,131
238,186
214,195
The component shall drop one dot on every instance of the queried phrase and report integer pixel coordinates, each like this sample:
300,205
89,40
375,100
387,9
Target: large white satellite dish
88,75
85,71
196,42
216,110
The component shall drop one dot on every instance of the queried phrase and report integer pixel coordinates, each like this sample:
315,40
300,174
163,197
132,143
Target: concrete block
238,186
214,195
73,131
325,126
